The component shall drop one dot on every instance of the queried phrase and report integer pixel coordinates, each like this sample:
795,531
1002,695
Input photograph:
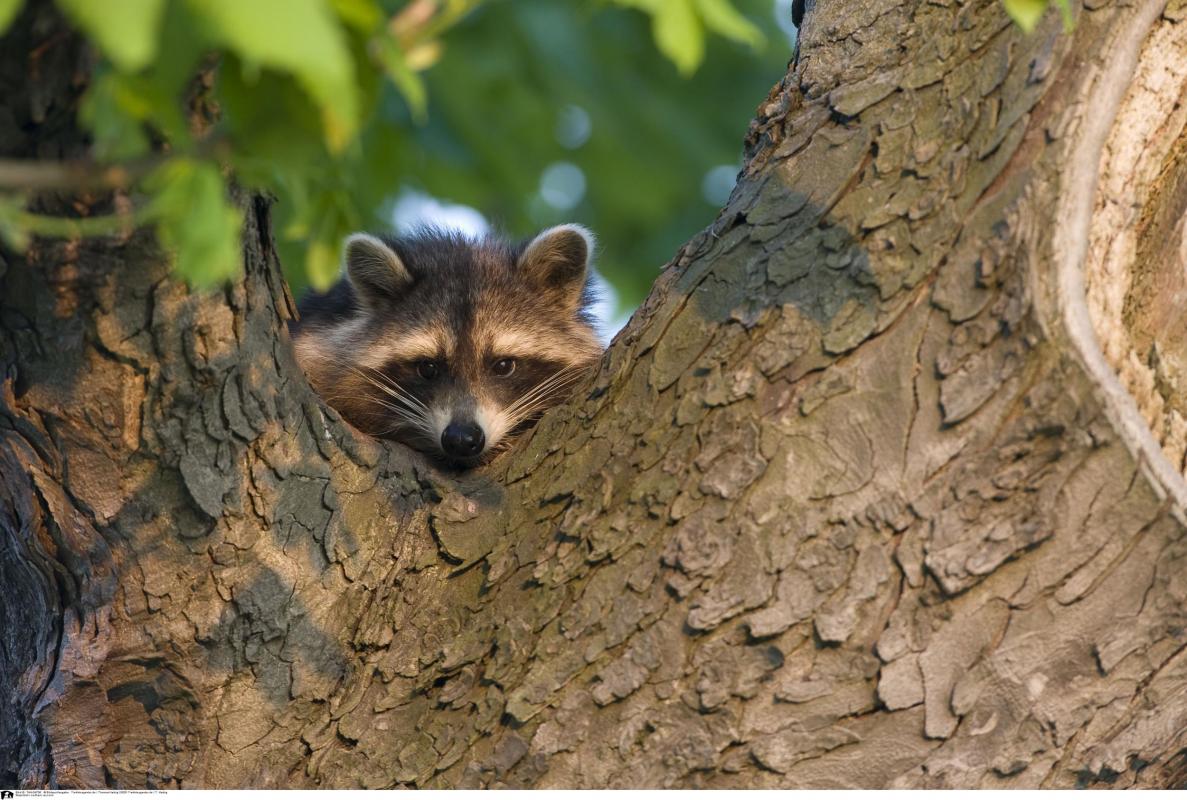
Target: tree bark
881,487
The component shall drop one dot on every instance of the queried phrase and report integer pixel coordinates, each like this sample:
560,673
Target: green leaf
12,233
679,26
362,15
679,34
321,262
125,30
301,37
114,111
1065,10
334,222
648,6
196,221
722,18
1025,13
406,79
8,12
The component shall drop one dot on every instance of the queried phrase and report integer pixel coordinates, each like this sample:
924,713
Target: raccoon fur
450,344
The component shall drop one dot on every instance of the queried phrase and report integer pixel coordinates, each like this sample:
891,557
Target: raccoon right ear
558,258
373,267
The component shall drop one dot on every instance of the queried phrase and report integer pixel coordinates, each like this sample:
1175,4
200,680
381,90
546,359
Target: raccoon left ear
558,257
373,267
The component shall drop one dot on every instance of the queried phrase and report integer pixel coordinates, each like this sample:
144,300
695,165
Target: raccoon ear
373,267
558,258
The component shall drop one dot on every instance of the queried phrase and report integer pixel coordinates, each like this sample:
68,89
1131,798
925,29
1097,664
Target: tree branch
47,175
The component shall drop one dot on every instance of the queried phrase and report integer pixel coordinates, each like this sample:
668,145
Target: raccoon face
456,345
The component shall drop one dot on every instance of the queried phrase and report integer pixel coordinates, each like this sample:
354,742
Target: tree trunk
881,487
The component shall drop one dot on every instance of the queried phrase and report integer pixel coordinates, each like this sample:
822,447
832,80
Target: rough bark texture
856,499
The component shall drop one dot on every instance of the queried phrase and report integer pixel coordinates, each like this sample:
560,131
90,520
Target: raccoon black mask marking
449,344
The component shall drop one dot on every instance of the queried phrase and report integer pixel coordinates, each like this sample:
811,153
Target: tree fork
882,486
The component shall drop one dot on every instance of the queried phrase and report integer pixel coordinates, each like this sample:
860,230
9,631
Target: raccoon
450,344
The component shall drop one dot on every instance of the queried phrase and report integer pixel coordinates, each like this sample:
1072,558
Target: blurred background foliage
542,112
624,115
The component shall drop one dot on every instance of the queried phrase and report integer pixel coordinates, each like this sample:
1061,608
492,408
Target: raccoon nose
462,440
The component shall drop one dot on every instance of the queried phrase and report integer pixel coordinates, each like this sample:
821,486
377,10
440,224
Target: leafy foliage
333,105
195,219
1027,13
126,31
679,27
300,38
8,11
524,87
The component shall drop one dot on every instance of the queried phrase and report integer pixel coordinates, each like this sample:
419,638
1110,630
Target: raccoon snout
462,440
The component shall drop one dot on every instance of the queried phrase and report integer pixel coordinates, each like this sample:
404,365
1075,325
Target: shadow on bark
838,509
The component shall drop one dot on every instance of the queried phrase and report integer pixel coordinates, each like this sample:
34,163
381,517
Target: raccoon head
455,345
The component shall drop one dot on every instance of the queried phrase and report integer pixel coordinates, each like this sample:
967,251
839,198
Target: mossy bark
856,499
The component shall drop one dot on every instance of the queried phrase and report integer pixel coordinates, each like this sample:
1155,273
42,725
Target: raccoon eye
503,367
426,369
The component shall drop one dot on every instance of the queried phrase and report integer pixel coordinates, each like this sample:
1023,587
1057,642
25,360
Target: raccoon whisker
424,435
526,416
405,398
409,414
377,379
542,393
533,409
552,382
387,386
530,413
536,407
497,450
384,382
404,418
396,392
415,420
504,444
403,409
409,406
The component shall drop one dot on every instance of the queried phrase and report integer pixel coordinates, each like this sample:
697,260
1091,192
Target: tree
882,485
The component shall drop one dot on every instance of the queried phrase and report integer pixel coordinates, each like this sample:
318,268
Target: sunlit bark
857,499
